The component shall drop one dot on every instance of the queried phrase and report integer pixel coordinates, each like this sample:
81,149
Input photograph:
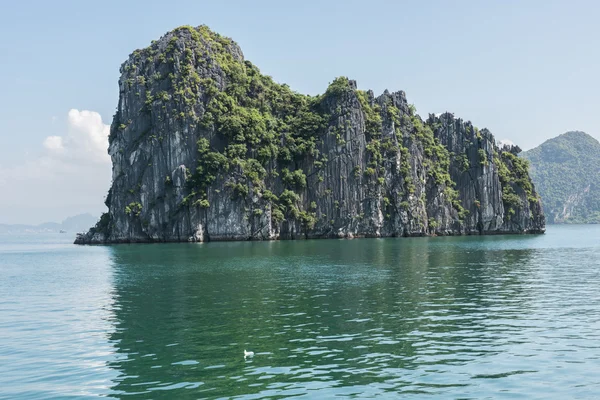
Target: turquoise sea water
458,317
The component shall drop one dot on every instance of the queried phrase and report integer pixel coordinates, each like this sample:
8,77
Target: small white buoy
248,353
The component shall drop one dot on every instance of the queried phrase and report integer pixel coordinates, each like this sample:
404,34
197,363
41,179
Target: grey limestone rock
374,168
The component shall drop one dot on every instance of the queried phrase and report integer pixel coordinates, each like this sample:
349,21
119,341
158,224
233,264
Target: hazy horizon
54,221
523,70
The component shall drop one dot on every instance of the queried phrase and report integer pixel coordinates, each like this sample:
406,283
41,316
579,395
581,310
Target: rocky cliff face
205,147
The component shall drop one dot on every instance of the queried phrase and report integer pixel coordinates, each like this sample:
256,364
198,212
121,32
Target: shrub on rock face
133,209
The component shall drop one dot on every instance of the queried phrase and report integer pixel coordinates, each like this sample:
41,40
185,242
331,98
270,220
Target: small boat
61,231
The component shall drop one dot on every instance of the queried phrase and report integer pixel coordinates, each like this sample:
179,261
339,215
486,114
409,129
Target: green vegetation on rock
566,172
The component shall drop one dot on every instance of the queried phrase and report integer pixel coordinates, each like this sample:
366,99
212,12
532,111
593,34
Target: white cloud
53,143
87,136
70,175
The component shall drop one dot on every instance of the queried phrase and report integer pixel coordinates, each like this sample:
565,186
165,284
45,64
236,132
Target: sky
528,70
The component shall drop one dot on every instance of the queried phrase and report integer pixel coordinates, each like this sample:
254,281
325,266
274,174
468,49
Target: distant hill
74,224
566,173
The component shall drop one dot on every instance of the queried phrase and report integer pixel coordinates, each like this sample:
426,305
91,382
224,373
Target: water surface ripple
466,317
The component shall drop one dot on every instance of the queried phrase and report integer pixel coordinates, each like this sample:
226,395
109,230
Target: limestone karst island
206,148
446,153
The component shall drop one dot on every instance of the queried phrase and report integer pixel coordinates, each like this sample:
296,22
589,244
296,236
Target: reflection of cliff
184,313
433,296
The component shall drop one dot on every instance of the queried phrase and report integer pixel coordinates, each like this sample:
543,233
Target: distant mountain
74,224
566,173
78,223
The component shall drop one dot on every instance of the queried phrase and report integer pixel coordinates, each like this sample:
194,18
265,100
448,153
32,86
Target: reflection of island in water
333,313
